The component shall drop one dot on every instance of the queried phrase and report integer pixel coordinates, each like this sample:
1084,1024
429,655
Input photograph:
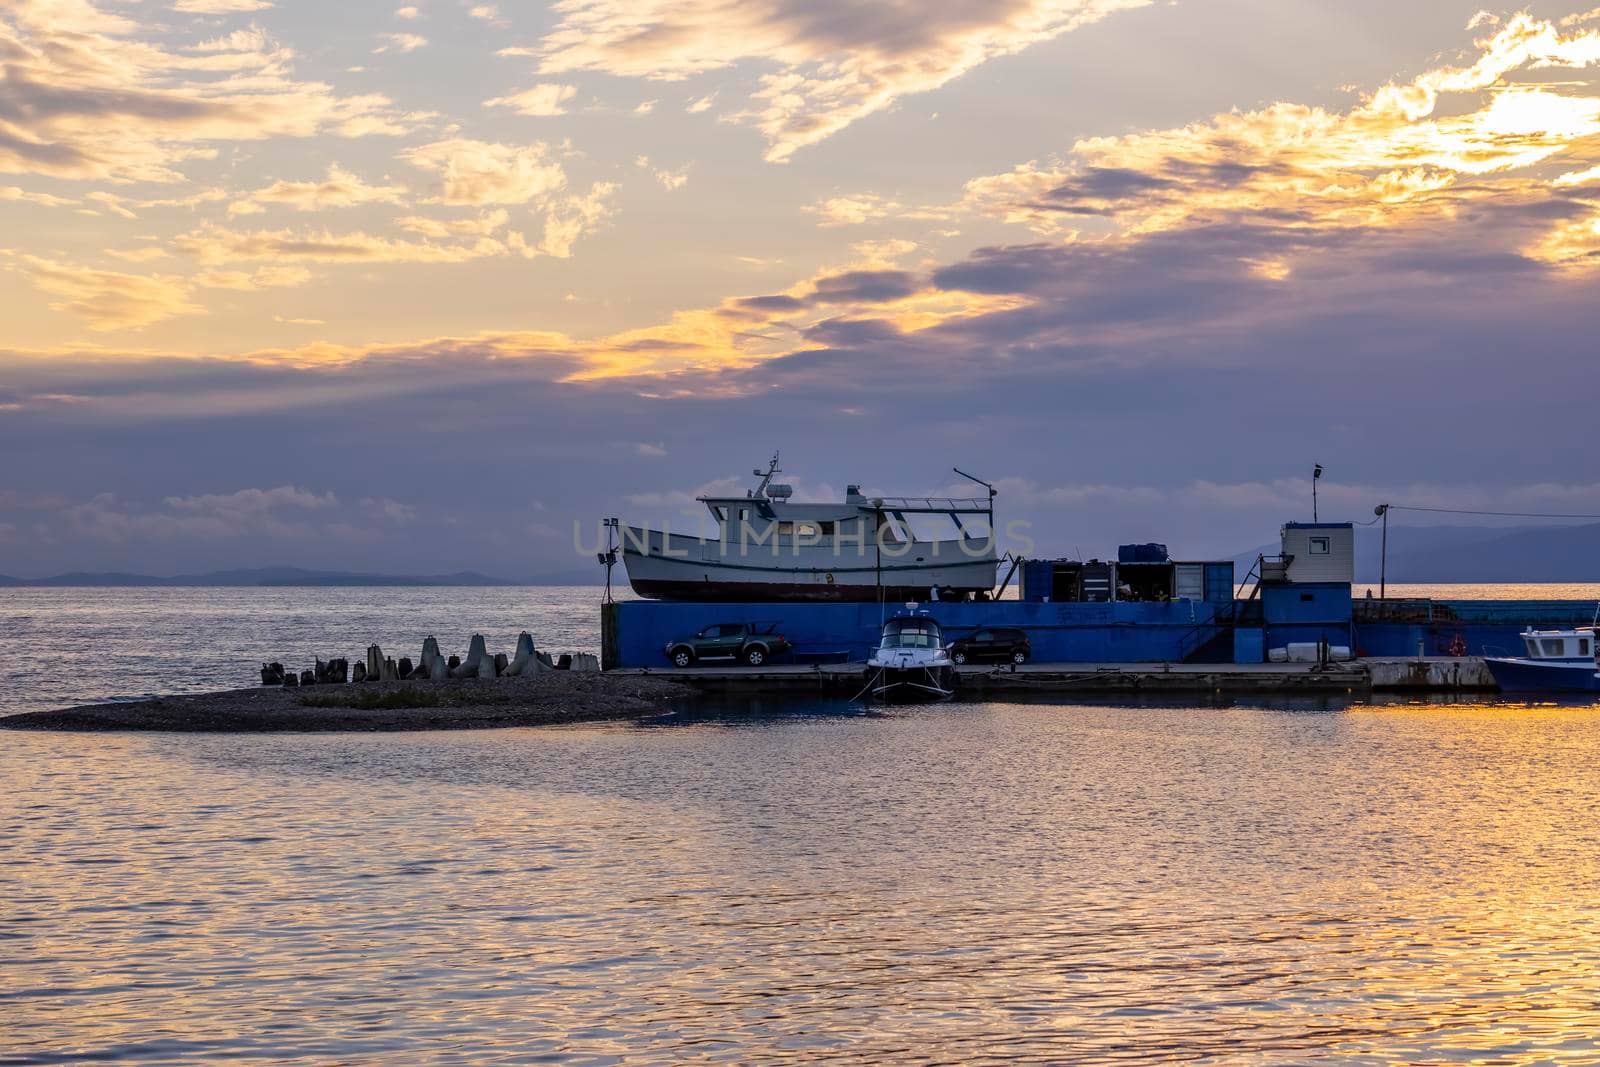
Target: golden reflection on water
960,883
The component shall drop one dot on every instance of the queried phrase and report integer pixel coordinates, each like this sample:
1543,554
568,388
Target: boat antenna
766,476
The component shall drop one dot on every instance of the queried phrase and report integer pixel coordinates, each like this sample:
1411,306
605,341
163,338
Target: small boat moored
911,660
1557,661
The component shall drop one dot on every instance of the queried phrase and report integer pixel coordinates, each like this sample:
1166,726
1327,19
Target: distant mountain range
1416,554
280,576
1473,554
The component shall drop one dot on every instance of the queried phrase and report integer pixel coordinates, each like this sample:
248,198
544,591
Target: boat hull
679,567
908,685
1544,676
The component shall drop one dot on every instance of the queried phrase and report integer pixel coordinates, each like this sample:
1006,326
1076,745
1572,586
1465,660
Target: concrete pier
1042,678
1431,674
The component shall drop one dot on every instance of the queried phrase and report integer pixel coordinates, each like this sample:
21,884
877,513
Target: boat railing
933,504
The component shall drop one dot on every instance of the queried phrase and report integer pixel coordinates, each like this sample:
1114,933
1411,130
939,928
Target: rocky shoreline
540,699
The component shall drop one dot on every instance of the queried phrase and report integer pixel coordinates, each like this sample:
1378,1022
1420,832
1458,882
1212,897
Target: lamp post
1316,476
1382,511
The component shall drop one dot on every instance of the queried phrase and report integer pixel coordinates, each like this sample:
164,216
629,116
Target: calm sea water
60,647
961,883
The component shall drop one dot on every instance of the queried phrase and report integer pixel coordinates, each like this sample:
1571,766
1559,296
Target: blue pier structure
1142,608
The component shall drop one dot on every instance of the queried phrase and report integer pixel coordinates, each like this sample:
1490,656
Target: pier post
610,637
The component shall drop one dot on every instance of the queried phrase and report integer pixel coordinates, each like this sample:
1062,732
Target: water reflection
960,882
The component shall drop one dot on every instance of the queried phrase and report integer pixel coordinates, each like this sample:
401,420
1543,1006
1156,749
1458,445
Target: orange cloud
89,100
834,66
111,300
476,173
339,189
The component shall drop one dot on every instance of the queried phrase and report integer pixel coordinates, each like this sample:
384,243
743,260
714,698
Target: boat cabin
912,631
768,516
1560,644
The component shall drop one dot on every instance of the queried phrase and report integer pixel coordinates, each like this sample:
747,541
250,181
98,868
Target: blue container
1219,583
1038,577
1146,553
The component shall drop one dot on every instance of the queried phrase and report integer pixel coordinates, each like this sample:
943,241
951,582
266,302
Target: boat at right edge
1557,661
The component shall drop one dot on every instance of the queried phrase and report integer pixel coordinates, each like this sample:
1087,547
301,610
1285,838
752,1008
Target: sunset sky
413,287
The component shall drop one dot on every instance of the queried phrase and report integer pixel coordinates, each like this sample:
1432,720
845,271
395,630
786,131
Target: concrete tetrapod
475,655
430,652
527,660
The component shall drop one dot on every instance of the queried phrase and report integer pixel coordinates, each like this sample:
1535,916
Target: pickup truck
750,643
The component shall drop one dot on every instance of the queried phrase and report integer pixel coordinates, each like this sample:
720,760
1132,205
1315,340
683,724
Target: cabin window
1533,648
1583,646
908,637
1321,546
1554,647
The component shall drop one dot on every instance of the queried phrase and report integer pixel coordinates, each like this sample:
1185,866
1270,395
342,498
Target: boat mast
766,476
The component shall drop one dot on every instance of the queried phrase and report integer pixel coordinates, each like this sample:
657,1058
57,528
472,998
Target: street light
1382,511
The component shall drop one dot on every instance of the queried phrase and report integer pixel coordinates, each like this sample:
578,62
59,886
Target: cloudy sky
415,287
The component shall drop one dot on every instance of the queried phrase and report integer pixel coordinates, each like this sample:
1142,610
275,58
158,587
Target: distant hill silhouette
276,576
1457,554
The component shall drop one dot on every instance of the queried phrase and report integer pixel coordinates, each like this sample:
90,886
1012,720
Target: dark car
752,643
997,644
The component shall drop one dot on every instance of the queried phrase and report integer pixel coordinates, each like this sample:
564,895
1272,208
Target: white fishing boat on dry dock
763,546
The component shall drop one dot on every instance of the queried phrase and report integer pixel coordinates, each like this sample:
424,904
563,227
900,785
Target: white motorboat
910,660
763,546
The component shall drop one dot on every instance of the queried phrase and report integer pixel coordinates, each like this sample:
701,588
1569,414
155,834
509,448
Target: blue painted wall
1113,633
1059,633
1306,611
1489,627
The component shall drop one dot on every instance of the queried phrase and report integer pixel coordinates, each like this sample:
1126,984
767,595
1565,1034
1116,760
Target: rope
1495,514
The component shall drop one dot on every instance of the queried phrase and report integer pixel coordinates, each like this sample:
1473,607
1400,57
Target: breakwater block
470,667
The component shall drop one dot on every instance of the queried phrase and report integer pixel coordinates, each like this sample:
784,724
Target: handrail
1202,634
963,505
